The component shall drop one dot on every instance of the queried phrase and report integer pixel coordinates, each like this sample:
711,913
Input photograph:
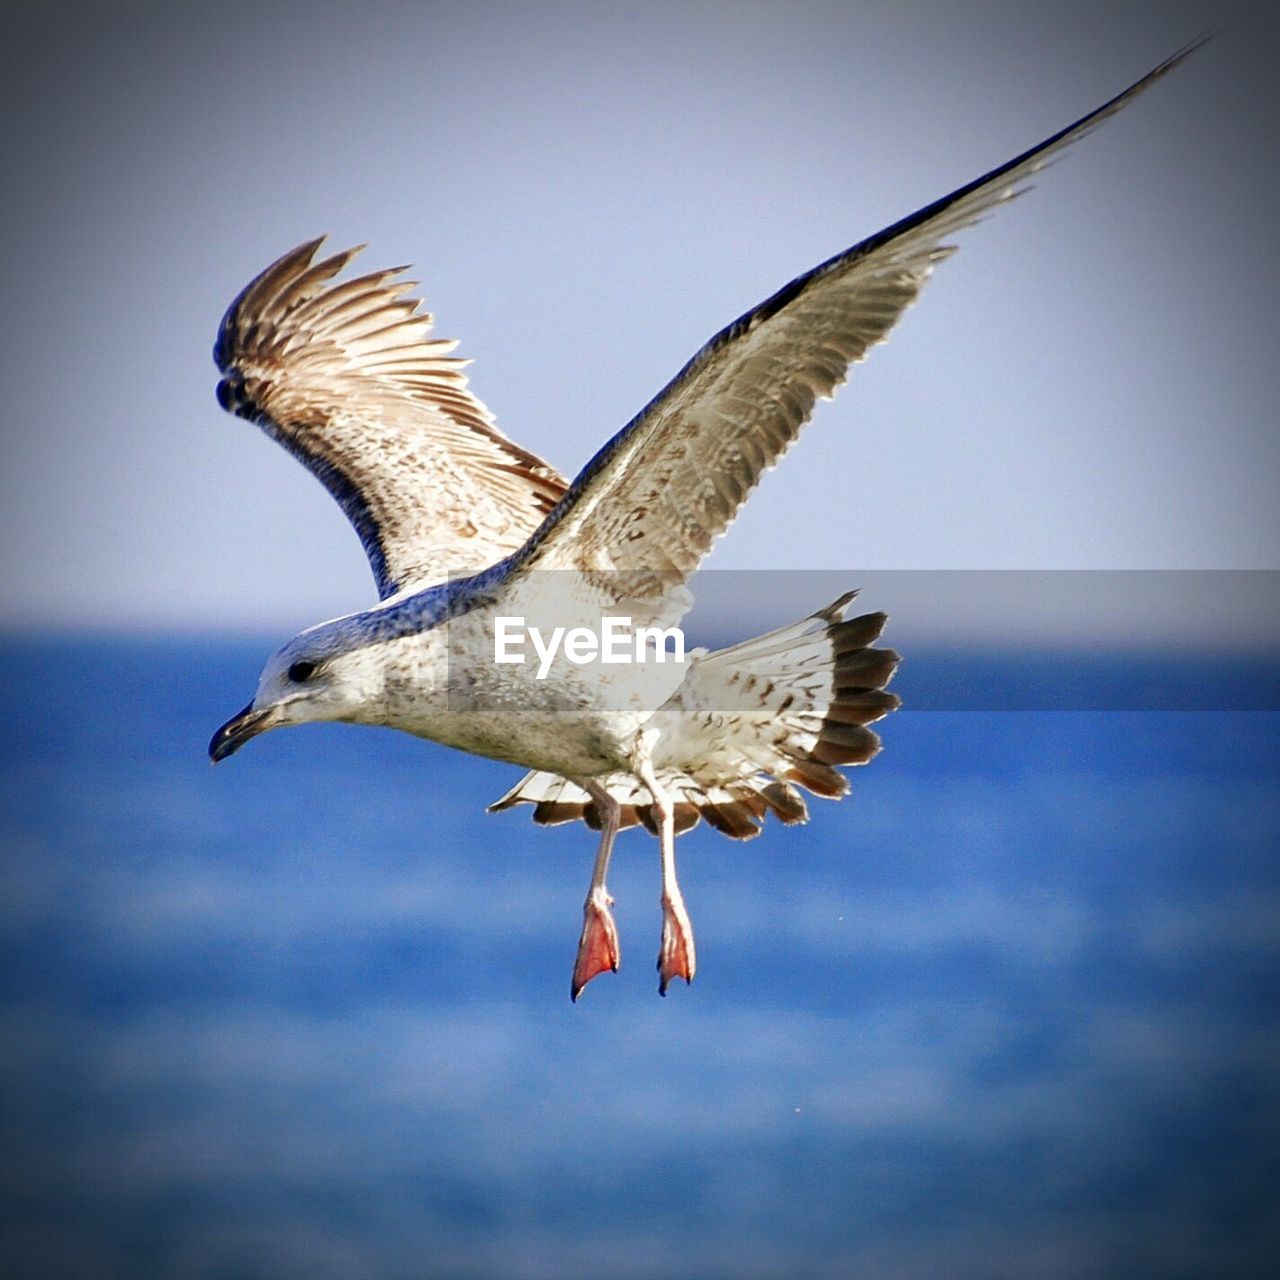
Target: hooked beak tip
242,726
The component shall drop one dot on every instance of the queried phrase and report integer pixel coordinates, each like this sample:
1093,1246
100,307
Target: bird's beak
238,730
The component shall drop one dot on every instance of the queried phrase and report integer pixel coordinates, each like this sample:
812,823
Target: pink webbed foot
598,946
677,959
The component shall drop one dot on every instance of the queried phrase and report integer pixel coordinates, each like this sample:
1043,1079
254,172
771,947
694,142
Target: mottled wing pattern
647,508
348,378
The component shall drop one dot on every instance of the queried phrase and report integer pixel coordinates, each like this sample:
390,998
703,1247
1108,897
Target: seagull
468,534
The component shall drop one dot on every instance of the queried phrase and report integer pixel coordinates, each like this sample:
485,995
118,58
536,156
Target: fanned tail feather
749,725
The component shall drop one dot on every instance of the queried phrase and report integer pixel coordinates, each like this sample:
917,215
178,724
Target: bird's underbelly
572,719
574,744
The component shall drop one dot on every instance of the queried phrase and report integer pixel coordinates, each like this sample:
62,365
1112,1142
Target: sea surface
1011,1010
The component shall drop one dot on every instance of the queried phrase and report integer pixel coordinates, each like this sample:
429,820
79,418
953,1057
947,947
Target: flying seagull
468,533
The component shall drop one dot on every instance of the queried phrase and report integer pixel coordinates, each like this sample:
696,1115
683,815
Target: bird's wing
348,378
648,506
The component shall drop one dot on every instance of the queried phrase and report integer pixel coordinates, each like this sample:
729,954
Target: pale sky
588,192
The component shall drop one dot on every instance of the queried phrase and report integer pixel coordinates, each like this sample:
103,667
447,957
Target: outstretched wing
646,509
347,377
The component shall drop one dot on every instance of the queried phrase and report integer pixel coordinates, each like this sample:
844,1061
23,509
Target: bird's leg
677,958
598,946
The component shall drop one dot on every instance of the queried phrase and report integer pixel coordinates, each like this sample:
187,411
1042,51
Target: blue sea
1012,1010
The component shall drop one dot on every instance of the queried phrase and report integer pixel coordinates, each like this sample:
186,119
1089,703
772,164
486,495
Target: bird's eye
301,672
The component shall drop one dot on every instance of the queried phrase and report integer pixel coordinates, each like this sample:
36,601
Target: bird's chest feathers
445,685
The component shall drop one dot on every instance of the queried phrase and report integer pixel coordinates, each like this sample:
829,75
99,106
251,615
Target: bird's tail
747,726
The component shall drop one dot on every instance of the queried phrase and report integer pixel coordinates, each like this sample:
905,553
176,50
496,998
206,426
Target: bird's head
316,676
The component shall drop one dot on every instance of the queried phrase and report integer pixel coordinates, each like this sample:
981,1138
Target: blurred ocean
1009,1011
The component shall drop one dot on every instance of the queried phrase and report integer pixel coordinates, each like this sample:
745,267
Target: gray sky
588,193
